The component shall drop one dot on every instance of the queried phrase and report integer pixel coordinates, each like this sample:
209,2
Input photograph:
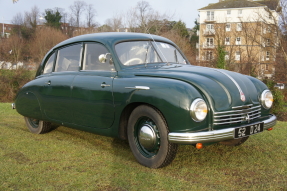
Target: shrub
279,103
11,81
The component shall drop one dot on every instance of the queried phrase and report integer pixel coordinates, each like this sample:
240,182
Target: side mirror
104,57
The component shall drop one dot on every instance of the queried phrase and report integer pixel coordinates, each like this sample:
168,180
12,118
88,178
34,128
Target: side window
91,58
68,58
49,64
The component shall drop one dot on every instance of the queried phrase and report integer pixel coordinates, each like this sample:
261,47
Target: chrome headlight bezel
266,99
198,110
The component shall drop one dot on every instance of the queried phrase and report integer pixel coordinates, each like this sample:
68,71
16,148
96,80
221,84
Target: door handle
104,85
49,83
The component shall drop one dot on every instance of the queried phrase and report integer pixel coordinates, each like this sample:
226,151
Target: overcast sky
185,10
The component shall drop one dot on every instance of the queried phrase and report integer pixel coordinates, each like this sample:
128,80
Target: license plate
248,130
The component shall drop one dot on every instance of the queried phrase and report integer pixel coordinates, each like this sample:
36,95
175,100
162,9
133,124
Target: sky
184,10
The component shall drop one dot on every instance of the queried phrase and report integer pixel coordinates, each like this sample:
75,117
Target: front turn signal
199,146
270,129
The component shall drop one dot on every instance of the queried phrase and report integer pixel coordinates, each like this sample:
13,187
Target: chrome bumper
213,136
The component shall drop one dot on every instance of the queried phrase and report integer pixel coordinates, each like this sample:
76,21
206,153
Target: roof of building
271,4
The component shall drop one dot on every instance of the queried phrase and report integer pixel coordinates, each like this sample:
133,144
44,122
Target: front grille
237,116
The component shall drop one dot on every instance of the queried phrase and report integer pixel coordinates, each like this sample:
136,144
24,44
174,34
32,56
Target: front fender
171,97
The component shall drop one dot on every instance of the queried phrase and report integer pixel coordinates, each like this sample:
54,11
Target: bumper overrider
215,135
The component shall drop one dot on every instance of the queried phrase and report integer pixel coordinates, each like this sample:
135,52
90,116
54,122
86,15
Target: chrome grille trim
237,116
233,111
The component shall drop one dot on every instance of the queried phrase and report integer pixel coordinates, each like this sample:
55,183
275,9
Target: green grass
68,159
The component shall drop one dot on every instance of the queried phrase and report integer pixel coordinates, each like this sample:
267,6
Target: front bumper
213,136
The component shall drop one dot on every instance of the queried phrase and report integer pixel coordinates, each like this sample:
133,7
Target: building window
240,13
237,55
267,67
209,29
228,27
239,27
226,55
209,42
227,41
228,13
268,42
210,15
209,55
267,55
238,41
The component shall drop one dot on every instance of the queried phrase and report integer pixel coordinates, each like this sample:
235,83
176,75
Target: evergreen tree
53,18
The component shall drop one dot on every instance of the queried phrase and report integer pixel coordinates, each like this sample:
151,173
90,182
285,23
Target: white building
245,29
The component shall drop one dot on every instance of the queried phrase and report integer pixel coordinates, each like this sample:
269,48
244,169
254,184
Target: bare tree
43,41
145,12
90,16
31,18
76,11
116,22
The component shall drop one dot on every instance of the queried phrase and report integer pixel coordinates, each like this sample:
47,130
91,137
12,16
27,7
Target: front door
92,94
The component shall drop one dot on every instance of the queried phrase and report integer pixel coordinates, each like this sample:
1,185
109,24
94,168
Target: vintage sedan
141,88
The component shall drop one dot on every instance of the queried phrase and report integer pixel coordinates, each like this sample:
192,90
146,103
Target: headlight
266,99
198,110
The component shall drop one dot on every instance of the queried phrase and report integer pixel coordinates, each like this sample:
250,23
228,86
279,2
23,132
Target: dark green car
140,87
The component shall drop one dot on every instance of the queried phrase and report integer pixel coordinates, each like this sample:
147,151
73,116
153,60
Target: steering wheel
137,60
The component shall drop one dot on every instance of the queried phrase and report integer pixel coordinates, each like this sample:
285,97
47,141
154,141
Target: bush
279,103
11,81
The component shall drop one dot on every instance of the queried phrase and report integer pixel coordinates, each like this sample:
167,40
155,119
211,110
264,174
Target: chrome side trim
213,136
13,106
242,96
139,88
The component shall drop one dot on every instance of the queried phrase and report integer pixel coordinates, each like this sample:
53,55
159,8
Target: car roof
112,38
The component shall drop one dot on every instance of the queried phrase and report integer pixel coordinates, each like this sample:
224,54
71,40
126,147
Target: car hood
223,89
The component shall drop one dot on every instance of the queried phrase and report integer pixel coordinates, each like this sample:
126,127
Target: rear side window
68,58
49,64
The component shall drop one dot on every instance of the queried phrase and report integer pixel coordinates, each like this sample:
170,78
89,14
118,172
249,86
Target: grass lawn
68,159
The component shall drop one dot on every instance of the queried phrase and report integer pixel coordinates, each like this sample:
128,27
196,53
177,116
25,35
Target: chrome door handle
49,83
105,85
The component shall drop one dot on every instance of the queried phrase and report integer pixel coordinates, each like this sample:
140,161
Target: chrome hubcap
147,137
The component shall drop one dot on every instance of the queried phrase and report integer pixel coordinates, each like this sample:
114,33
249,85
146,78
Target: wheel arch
122,131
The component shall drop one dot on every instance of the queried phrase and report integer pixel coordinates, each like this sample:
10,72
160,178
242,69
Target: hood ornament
242,96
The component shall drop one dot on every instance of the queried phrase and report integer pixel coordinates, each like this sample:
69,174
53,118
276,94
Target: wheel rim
146,136
34,122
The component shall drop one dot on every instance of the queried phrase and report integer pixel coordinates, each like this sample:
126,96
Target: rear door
57,87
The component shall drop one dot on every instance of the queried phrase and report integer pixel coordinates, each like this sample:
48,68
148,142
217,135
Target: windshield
141,52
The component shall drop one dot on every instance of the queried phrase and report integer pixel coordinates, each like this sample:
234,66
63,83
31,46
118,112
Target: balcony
209,32
208,46
209,20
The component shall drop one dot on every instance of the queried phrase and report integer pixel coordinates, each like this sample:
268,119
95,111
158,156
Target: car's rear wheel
38,126
148,138
234,142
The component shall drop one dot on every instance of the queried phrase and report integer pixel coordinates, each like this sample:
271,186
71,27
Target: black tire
234,142
38,126
152,151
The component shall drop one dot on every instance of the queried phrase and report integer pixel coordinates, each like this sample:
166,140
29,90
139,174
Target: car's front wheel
148,138
38,126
